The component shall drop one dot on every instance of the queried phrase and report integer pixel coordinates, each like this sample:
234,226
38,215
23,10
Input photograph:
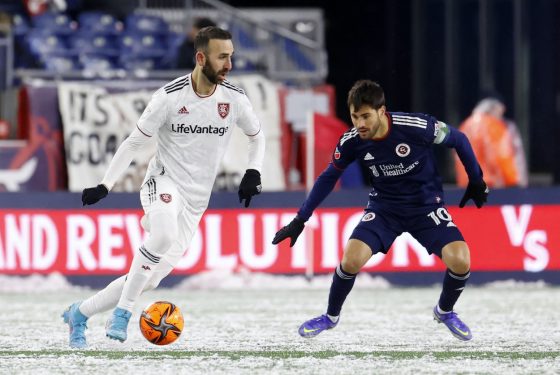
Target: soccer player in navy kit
407,196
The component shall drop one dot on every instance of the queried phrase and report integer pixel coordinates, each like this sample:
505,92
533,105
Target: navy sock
453,285
341,285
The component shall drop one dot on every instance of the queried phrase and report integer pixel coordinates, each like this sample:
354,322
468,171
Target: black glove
292,230
250,185
93,195
477,191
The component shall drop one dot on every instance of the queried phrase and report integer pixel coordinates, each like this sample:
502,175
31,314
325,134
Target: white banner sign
95,123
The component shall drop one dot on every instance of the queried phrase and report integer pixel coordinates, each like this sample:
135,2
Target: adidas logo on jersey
183,111
368,156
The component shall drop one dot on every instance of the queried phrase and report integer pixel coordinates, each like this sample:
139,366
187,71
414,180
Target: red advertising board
75,242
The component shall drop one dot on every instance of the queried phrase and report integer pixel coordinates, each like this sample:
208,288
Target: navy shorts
432,226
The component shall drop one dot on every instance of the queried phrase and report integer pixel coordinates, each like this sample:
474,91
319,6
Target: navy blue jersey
402,165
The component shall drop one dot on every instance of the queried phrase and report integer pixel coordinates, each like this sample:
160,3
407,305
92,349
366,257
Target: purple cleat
313,327
455,325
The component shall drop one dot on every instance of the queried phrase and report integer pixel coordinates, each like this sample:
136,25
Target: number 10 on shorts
440,215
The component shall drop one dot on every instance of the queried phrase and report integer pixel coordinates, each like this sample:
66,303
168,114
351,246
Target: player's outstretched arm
322,187
453,138
292,230
476,189
122,159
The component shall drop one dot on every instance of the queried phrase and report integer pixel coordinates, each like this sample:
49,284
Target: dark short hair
366,92
208,33
203,22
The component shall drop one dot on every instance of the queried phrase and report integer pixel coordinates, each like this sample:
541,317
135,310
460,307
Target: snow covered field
247,324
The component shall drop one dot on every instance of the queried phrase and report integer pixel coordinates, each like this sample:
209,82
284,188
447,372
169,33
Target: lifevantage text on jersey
199,129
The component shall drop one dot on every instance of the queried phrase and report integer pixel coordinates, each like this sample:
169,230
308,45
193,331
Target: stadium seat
299,58
41,42
54,23
99,23
143,45
20,25
142,51
98,44
145,24
97,62
131,63
59,62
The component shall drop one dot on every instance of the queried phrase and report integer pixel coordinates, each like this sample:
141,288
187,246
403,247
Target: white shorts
159,193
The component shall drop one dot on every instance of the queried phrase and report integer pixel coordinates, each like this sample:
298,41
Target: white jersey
193,134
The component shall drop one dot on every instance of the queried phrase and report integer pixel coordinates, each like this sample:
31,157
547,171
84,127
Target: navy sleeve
323,186
344,153
459,141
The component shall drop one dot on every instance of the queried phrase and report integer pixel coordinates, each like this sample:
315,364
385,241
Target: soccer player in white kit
193,118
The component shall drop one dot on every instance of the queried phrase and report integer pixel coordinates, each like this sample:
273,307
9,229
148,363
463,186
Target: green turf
234,355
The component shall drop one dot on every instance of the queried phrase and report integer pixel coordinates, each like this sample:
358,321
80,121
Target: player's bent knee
460,267
162,236
456,257
356,255
353,263
351,266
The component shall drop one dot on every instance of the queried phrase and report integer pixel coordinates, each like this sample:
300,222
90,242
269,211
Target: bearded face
212,74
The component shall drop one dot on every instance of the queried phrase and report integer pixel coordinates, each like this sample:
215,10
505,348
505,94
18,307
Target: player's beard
372,130
211,74
367,134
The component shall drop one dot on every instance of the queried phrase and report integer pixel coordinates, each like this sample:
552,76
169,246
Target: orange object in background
498,148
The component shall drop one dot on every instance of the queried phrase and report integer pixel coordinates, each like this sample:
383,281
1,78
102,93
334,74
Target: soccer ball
161,323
